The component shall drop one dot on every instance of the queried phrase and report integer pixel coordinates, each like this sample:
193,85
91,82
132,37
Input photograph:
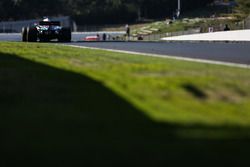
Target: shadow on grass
195,91
51,117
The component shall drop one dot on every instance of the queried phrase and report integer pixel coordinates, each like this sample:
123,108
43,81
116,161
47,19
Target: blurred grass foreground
62,106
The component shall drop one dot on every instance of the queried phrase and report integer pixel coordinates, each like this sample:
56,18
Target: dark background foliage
95,11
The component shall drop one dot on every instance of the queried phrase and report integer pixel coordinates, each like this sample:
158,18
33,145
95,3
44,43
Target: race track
224,52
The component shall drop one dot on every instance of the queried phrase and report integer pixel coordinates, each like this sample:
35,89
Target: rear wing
49,23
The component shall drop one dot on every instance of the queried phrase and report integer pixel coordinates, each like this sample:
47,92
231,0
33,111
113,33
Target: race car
46,31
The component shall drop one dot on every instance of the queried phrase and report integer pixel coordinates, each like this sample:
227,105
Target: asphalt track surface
217,51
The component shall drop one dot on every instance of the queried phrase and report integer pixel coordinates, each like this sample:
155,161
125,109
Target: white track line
246,66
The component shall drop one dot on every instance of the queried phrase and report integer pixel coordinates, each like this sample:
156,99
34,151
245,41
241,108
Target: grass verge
70,106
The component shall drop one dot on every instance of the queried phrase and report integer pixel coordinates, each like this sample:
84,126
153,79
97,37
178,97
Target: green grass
186,24
63,106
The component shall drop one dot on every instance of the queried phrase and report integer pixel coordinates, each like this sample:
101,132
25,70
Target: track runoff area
228,54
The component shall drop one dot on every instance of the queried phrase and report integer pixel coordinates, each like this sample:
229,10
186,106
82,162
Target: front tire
31,34
24,34
65,35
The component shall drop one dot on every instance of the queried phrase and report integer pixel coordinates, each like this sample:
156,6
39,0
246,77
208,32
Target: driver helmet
46,19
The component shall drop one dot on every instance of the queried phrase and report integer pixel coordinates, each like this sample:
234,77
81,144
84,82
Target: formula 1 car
46,31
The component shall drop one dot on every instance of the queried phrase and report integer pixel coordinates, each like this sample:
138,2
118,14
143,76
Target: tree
95,11
243,8
7,9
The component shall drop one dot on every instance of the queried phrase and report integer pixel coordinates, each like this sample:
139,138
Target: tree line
95,11
243,8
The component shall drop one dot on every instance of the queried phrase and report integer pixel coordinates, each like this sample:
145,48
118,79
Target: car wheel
24,34
65,35
31,34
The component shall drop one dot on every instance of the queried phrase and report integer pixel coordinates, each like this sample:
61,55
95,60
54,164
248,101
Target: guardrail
96,28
